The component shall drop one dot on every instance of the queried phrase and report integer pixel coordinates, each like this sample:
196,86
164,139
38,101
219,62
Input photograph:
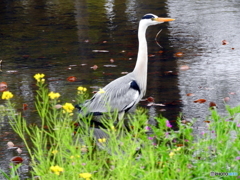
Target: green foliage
62,148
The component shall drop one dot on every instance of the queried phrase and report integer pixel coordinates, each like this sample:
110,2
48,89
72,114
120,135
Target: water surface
62,39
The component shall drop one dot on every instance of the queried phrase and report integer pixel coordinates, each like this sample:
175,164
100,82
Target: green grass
59,150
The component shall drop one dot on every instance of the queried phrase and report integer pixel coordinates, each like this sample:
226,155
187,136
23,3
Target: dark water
58,38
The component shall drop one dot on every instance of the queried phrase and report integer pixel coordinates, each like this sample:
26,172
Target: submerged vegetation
63,146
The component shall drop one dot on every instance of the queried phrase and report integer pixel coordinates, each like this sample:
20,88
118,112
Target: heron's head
151,19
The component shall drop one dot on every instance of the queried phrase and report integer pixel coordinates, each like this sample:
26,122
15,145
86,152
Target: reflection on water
57,38
214,67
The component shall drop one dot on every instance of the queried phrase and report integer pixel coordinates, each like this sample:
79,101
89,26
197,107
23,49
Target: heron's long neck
140,70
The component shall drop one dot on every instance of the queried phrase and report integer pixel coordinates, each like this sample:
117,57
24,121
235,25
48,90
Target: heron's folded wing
121,94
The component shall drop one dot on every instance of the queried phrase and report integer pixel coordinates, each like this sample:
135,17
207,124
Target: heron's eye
152,19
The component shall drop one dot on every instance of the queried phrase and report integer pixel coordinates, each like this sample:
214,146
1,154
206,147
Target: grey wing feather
118,95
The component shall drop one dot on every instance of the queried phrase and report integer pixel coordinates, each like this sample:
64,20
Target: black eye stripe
148,17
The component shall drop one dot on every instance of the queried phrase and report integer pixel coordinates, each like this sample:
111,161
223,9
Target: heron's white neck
140,70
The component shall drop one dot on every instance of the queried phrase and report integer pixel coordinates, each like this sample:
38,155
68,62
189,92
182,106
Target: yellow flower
55,152
53,95
39,77
80,88
68,107
7,95
178,149
101,91
85,175
103,140
56,169
171,154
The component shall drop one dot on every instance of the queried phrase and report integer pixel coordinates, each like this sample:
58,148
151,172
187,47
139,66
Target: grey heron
122,94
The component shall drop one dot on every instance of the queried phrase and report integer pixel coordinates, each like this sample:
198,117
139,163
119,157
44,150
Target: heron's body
124,93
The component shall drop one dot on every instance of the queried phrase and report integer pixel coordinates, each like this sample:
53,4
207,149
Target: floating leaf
170,73
200,101
112,60
151,55
25,106
178,54
150,99
224,42
226,99
184,67
19,150
207,121
71,79
190,94
100,51
16,159
10,144
212,104
12,71
3,86
94,67
110,65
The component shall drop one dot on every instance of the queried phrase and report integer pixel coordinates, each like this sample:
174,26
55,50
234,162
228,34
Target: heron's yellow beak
163,19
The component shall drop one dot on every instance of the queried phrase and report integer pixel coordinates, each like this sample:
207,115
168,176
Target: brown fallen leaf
16,159
190,94
212,105
10,144
3,86
150,99
178,54
224,42
184,67
94,67
25,106
226,99
71,79
19,150
200,101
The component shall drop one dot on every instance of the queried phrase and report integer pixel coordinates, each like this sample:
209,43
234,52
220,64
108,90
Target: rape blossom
85,175
56,169
101,91
103,140
7,95
53,95
39,77
172,153
54,152
81,90
68,107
